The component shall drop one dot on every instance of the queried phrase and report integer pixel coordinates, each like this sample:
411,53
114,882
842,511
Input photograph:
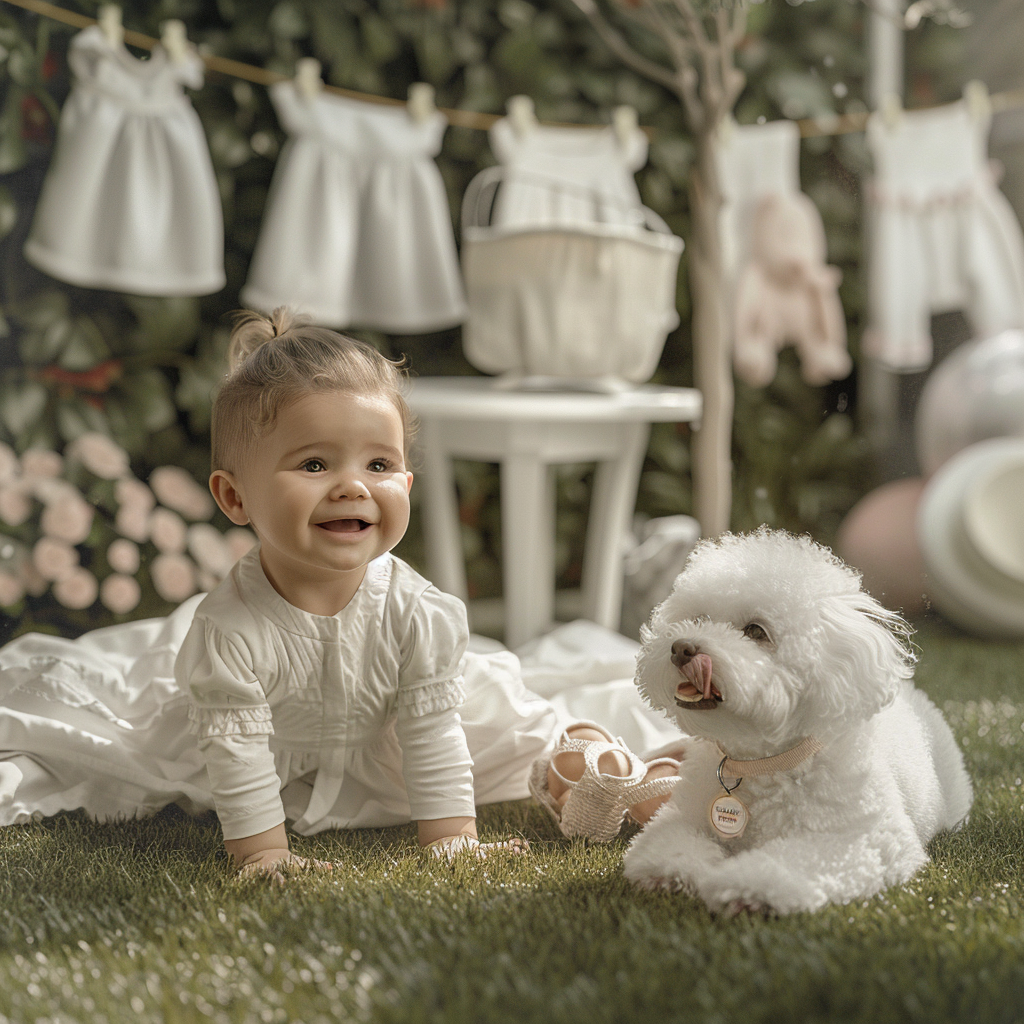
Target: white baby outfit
567,175
130,200
367,718
943,237
357,229
774,250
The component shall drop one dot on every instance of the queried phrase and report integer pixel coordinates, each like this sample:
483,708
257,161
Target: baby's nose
682,652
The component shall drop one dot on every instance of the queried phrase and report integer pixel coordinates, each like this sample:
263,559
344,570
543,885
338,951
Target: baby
323,682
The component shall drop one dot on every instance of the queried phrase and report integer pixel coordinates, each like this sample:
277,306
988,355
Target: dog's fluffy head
781,631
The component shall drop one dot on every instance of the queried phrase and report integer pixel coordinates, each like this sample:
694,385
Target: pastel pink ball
879,538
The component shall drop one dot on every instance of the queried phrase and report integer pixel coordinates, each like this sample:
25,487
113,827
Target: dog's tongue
697,672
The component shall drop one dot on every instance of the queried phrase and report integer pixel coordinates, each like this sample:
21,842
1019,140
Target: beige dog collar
784,762
728,814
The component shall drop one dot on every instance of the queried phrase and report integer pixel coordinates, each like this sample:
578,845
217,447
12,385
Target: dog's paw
745,905
658,883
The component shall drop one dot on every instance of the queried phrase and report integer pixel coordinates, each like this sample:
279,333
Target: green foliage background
142,369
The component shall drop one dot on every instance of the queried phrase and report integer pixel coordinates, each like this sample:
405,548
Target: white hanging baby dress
357,230
130,200
943,237
567,175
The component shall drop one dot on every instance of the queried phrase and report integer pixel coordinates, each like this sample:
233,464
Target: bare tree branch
621,48
678,45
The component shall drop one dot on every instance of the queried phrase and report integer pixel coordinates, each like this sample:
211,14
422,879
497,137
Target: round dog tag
728,816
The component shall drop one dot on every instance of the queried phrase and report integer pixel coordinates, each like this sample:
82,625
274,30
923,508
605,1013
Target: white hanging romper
567,176
774,251
357,229
943,237
130,200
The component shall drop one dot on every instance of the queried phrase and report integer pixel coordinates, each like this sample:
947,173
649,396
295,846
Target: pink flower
129,491
54,559
167,530
8,463
174,577
76,590
12,590
15,503
239,541
206,581
120,593
176,489
33,579
123,556
69,520
41,462
100,455
207,546
135,502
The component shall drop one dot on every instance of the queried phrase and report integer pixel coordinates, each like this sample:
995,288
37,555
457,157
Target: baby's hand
277,864
452,846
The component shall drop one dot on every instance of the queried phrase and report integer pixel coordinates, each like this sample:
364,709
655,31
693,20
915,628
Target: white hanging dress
357,230
562,176
130,200
943,237
774,250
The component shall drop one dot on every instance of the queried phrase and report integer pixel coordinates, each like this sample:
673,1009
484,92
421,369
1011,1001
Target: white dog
790,677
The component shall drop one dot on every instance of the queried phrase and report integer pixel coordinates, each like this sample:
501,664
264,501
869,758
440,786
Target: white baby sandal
592,782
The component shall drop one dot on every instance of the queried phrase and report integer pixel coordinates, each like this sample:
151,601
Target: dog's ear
866,653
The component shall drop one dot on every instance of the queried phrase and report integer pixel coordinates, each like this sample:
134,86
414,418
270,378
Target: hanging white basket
568,300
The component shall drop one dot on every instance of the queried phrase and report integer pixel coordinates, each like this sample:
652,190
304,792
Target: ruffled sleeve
229,713
436,763
430,677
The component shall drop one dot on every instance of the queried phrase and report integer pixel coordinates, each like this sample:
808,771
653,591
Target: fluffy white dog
787,675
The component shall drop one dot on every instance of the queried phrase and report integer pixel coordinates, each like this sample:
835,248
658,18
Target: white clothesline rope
839,124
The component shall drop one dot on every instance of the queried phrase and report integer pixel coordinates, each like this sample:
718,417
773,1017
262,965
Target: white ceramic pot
971,532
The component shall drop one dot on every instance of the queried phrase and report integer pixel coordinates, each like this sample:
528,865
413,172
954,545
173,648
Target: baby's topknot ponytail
281,358
252,329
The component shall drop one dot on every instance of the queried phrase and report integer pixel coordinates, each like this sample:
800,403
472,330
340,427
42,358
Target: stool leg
611,508
528,564
441,529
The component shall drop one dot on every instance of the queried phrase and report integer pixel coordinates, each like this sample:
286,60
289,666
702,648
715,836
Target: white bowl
971,533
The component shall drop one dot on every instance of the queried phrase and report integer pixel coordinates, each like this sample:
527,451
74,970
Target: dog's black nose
682,652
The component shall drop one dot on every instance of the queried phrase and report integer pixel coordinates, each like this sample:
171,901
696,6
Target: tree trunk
712,469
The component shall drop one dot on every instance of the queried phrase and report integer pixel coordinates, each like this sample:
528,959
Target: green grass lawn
142,921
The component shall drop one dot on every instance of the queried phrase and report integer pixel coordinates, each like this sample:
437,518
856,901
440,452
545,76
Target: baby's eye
314,466
756,632
379,466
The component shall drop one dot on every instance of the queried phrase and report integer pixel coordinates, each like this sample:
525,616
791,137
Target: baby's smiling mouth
345,525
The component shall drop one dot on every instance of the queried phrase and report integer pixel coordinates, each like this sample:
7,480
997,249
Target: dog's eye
756,632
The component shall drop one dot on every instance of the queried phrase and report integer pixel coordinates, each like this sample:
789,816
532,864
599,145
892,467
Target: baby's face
327,489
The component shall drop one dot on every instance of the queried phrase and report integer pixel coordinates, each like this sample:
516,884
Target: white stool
525,432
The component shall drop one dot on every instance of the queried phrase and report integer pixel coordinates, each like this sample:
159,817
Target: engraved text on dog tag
728,816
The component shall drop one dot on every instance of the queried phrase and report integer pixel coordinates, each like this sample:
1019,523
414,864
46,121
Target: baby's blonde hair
277,359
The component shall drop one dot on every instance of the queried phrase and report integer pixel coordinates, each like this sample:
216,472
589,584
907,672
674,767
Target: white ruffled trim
207,722
426,698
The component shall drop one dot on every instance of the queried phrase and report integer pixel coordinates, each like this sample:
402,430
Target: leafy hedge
141,369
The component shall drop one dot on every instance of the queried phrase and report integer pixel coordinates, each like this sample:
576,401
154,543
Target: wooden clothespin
979,103
891,111
521,115
307,77
625,123
174,40
421,102
110,22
